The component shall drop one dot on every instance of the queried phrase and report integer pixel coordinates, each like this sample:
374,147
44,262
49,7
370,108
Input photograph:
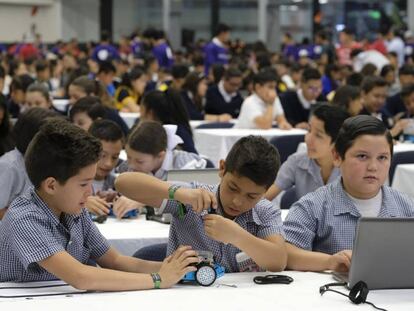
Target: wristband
157,280
181,208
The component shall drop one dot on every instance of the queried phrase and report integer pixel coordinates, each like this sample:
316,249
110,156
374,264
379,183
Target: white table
216,143
129,235
404,179
302,294
129,117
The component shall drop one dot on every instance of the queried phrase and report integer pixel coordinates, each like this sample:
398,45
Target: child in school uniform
243,221
309,170
13,177
320,227
151,149
260,109
47,234
103,190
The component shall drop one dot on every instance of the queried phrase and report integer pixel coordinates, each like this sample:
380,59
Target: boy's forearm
131,264
304,260
271,256
142,188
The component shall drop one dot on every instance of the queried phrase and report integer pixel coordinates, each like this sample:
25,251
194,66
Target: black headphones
358,293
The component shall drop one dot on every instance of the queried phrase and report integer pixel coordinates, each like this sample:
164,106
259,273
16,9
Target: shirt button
70,242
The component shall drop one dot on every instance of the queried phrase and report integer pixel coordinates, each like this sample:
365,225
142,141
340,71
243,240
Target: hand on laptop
199,199
341,261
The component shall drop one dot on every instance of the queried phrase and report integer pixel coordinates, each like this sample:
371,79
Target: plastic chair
286,145
155,252
216,125
405,157
288,198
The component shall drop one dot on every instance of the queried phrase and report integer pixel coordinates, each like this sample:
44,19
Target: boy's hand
123,205
221,229
341,261
175,266
199,199
97,206
302,125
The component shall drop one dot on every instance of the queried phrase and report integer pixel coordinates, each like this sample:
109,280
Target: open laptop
205,176
383,254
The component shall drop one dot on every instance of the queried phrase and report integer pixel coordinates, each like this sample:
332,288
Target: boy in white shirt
260,109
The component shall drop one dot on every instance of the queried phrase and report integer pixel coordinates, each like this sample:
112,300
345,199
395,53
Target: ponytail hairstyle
167,107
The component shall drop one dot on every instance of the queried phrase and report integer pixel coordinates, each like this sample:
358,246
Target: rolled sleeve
300,227
271,224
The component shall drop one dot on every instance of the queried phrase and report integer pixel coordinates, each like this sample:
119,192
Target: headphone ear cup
359,292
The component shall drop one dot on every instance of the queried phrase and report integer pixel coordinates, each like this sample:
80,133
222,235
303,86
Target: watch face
206,275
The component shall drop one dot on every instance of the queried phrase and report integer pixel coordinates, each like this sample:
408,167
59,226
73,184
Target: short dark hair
60,150
221,28
310,74
39,88
357,126
21,82
332,118
106,130
41,65
264,76
232,72
370,82
407,90
106,67
28,125
179,71
135,73
91,105
255,158
148,137
355,79
406,70
344,95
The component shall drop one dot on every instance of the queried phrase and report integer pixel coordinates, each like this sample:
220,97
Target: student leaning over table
320,227
47,234
243,222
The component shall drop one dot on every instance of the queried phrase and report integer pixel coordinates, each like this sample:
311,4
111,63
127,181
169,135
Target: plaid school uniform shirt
30,233
325,220
262,220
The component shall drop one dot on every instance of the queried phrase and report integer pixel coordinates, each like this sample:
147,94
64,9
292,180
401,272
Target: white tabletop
129,235
216,143
404,179
302,294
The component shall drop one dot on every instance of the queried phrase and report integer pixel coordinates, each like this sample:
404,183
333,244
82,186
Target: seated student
103,189
348,97
86,110
193,94
130,90
297,104
13,177
47,234
17,93
83,86
243,220
320,227
309,170
374,94
225,97
151,150
37,95
167,107
260,109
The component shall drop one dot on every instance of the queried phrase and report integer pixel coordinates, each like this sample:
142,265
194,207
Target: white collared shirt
305,103
227,97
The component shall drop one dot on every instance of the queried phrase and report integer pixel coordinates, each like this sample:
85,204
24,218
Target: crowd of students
58,167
